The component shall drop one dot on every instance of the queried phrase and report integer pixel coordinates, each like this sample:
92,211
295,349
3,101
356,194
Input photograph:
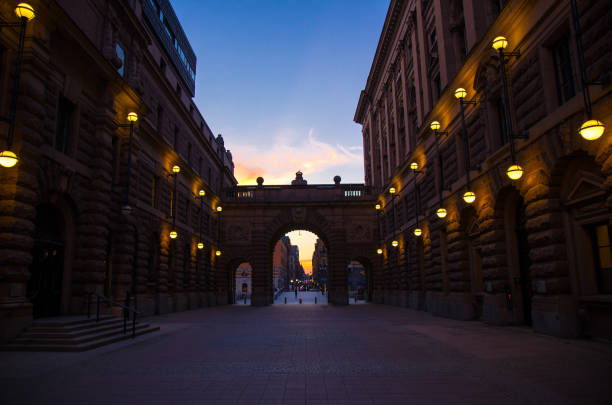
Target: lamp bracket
7,24
522,135
516,54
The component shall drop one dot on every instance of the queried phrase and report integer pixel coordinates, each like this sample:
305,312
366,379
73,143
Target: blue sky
281,80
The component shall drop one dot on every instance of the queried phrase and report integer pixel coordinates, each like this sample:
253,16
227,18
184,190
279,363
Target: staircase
74,334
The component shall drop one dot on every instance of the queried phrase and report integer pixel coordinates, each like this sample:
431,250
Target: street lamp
469,196
592,129
126,209
515,171
25,12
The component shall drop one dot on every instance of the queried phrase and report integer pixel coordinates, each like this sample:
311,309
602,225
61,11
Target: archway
242,285
45,287
299,271
359,281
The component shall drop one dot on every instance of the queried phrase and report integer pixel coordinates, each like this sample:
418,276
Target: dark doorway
45,285
524,261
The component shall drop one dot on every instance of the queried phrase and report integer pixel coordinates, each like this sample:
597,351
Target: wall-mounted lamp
415,170
515,171
378,207
435,126
175,170
417,232
25,12
201,195
219,208
460,94
218,253
592,129
395,243
126,209
379,251
392,190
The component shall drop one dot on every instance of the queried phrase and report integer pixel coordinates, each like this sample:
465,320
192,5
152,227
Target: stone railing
306,193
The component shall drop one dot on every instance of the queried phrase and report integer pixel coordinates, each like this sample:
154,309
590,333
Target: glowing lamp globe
392,190
395,243
200,245
514,172
176,169
201,193
435,125
469,197
460,93
8,158
24,10
499,43
173,234
219,208
441,212
218,253
377,206
417,231
379,251
132,117
414,166
592,129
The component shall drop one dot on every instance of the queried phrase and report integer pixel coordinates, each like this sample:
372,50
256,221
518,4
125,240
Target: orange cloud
289,152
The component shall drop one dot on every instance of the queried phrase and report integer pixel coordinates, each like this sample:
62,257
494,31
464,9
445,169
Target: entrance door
45,285
524,261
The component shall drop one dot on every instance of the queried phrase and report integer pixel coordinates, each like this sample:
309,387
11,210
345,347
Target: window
162,65
186,264
435,84
154,188
501,121
602,250
178,89
65,110
176,137
160,116
200,165
121,55
564,72
189,154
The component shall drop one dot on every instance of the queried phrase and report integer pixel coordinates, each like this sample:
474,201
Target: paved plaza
316,354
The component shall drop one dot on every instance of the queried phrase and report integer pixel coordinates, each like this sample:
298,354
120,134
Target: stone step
54,347
62,321
83,326
68,339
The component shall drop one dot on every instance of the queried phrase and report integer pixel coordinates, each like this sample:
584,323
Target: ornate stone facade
62,234
532,251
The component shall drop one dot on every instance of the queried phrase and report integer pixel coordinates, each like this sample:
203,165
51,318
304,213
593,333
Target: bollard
300,300
315,300
355,299
285,300
245,299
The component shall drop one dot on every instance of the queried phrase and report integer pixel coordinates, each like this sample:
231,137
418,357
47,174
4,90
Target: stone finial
299,180
337,180
260,181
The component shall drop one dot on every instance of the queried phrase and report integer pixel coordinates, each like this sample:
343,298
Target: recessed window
501,121
121,55
162,65
154,188
178,89
602,249
65,111
564,71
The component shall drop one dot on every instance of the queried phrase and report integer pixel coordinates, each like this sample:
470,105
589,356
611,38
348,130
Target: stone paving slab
307,354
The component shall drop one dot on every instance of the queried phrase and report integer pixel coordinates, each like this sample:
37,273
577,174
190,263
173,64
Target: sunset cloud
289,152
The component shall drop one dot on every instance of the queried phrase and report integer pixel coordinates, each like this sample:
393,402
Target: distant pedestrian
295,293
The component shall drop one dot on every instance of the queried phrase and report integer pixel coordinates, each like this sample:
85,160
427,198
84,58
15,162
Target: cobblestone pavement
307,354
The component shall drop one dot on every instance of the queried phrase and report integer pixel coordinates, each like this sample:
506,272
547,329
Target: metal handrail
126,310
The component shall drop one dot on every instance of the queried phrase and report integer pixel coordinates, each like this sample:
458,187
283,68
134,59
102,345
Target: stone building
535,250
63,234
319,263
280,264
243,288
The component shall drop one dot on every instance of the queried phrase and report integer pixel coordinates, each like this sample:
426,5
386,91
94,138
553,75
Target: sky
280,80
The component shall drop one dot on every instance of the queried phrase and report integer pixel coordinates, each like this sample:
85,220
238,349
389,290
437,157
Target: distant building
356,279
319,263
244,274
281,263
